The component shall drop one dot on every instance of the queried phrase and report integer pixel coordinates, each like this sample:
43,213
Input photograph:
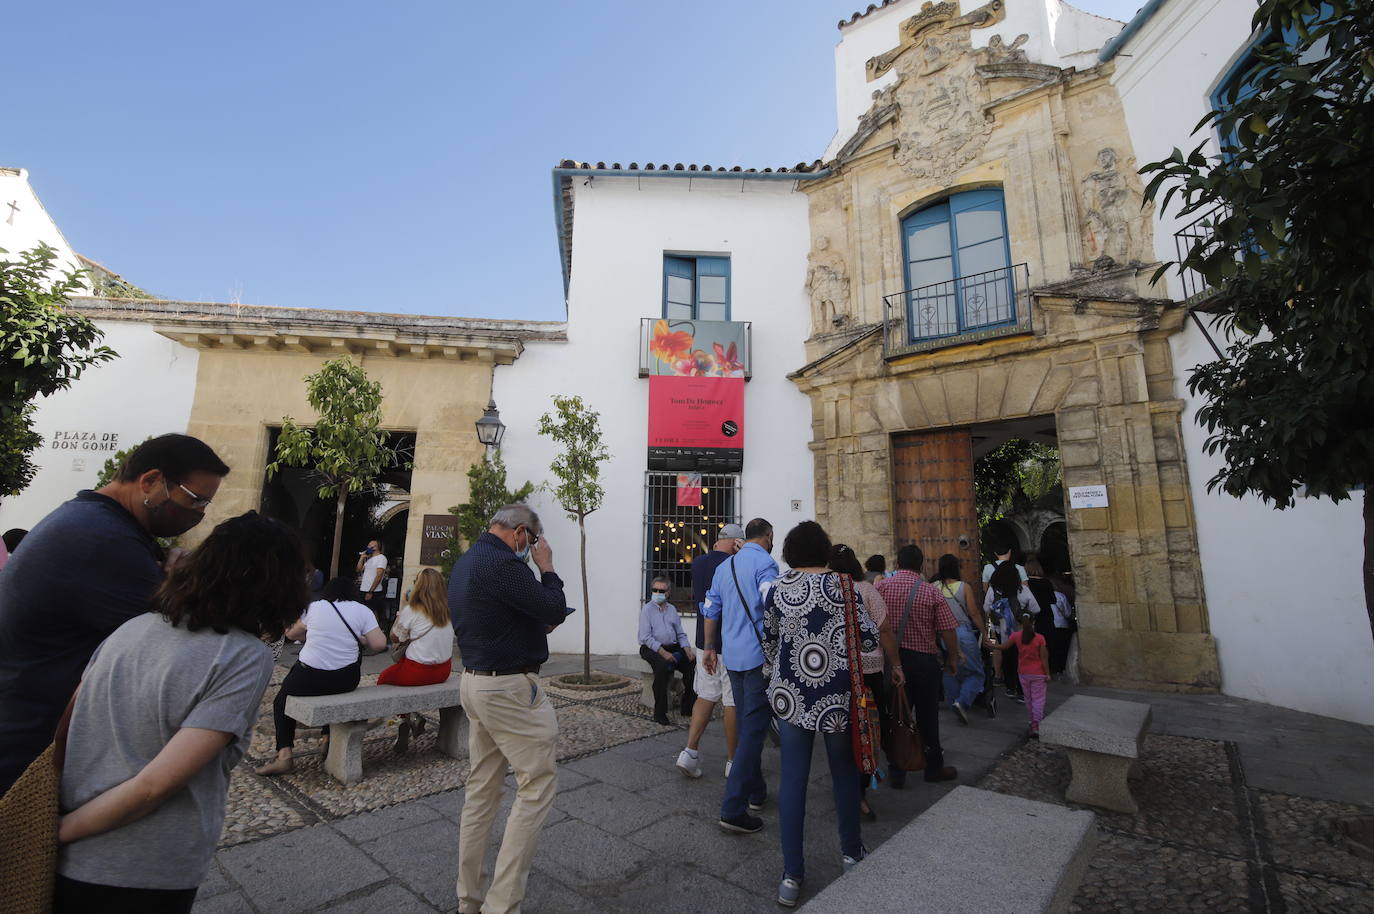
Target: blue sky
388,157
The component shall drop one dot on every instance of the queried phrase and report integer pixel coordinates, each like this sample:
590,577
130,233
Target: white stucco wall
28,223
146,391
1274,579
623,227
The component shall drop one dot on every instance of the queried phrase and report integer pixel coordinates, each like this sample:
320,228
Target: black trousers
1059,639
306,680
1010,681
73,897
663,674
923,683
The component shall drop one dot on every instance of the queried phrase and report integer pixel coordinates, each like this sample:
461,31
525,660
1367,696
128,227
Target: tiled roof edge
634,168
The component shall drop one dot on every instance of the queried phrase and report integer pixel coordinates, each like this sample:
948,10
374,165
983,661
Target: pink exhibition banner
696,412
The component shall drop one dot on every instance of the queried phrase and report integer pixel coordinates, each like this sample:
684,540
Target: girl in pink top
1032,667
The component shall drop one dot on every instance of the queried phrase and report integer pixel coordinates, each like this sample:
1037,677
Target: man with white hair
502,615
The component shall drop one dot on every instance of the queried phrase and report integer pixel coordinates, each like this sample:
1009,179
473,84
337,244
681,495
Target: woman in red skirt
423,624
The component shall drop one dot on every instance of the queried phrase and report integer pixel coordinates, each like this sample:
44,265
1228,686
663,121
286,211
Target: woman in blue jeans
962,688
804,637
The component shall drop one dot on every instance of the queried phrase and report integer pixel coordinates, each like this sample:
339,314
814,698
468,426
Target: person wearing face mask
502,614
85,569
665,647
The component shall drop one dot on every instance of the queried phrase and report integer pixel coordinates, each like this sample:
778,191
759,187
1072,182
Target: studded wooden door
932,474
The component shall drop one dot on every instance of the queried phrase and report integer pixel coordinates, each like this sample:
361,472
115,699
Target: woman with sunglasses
665,647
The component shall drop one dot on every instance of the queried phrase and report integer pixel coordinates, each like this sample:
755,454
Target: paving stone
299,870
214,883
704,842
393,899
686,890
585,857
424,859
622,772
611,808
368,825
223,903
546,895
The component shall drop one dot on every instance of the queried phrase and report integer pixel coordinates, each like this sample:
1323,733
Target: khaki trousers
510,719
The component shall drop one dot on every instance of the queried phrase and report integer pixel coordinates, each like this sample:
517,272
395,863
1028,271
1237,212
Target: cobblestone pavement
1237,801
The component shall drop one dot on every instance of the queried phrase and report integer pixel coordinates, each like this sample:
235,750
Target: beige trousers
510,719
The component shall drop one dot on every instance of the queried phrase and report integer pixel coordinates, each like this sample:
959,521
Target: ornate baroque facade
1088,347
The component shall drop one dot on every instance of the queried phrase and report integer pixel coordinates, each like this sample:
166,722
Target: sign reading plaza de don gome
696,395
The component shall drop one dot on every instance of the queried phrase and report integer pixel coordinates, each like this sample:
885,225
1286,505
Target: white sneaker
728,763
689,764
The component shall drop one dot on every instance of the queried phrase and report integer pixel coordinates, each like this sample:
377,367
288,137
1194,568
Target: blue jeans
966,686
752,714
796,774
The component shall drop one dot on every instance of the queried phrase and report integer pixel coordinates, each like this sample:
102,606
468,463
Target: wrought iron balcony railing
1199,234
960,310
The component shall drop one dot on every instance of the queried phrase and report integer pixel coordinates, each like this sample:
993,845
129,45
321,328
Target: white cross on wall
14,208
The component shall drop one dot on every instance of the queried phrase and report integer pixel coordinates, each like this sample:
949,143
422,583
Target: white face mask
524,554
659,597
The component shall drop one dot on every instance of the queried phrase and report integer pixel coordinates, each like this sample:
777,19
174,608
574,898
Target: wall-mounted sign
434,537
696,423
84,440
1087,496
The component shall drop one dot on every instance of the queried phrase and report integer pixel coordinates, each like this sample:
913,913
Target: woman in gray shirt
164,711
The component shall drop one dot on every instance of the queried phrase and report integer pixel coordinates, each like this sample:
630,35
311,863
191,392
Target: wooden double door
933,496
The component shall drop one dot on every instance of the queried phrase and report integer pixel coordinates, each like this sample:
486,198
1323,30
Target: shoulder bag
358,639
753,626
864,723
398,650
905,739
29,811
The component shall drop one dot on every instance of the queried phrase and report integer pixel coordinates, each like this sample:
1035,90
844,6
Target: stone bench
632,664
974,851
347,715
1103,737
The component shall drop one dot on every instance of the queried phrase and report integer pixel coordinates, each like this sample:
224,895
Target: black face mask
168,518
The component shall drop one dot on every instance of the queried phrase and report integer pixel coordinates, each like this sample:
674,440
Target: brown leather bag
905,751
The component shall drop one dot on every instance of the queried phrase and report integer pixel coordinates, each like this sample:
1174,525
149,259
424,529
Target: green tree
44,348
577,470
1016,469
1288,248
347,446
487,493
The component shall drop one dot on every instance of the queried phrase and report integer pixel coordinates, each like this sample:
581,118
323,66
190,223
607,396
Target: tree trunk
586,608
1369,555
338,532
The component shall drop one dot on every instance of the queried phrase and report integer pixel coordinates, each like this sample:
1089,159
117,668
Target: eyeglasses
197,501
658,590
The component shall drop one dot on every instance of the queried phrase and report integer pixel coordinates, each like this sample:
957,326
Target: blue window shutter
956,256
682,269
714,296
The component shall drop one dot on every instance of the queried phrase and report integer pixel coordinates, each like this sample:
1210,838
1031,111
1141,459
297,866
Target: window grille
675,534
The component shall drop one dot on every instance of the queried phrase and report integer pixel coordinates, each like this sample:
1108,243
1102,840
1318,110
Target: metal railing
675,533
1199,234
960,310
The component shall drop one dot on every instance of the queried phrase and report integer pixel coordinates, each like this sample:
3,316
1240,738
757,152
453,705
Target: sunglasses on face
659,590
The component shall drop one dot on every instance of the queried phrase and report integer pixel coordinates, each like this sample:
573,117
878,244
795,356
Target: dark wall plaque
434,537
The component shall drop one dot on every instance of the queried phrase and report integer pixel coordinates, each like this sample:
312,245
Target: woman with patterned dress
809,689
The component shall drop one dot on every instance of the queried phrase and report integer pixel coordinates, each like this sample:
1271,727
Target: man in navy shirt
713,686
86,569
502,615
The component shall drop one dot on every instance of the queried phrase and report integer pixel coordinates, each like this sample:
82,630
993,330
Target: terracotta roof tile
799,168
856,16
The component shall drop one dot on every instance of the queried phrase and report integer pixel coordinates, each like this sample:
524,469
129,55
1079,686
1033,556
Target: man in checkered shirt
917,611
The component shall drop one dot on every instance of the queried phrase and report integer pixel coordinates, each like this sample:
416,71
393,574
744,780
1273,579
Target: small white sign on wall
1087,496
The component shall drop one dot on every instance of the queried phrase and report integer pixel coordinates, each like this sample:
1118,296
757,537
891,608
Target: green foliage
1289,251
577,468
44,348
487,493
577,430
18,441
1016,470
347,447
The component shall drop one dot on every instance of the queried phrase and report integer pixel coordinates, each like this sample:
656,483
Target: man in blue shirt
665,647
502,615
734,610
